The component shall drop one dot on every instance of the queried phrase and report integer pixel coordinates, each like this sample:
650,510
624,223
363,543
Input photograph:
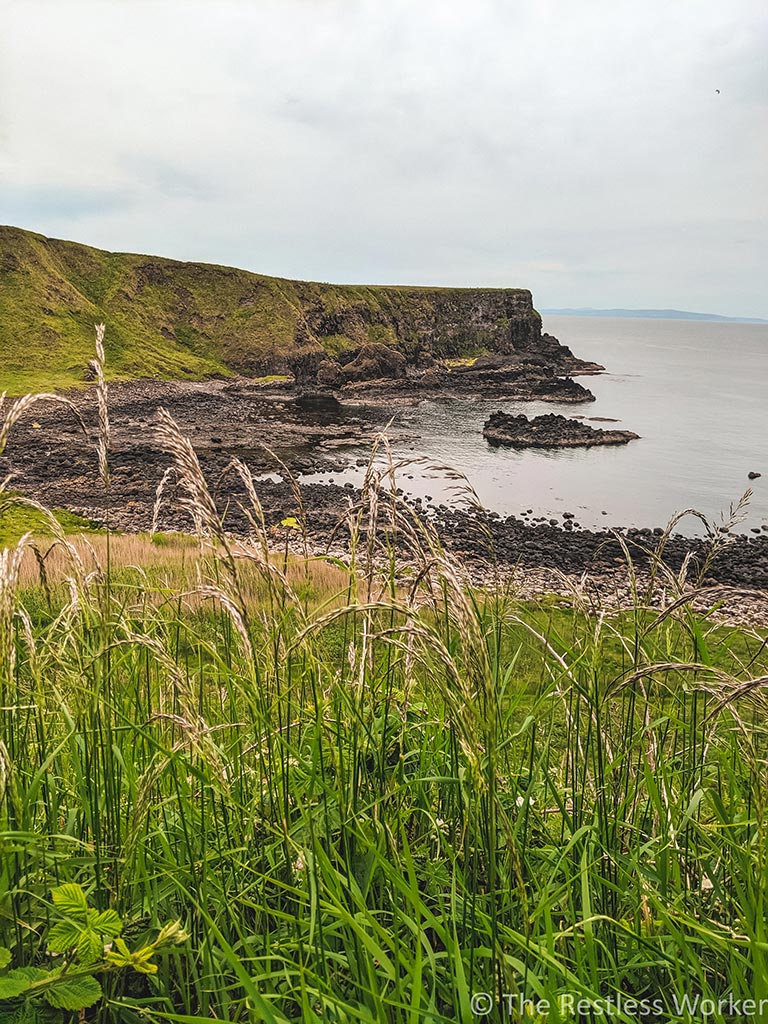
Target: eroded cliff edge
172,319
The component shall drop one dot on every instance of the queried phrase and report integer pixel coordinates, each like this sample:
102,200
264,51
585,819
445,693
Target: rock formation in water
549,431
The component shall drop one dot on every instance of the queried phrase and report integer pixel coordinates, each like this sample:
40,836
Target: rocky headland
172,320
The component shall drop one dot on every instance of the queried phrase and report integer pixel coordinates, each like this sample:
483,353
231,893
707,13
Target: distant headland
655,314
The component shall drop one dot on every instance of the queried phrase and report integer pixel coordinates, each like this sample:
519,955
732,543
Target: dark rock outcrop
559,389
329,373
374,362
306,363
549,431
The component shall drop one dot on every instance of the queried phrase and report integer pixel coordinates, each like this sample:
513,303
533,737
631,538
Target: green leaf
63,936
11,986
74,993
141,960
5,957
106,923
25,1014
70,899
120,956
15,983
31,973
90,947
145,967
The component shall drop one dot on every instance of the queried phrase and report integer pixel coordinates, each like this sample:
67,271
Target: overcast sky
580,149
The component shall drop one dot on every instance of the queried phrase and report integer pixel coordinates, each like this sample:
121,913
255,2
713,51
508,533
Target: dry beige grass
125,550
176,560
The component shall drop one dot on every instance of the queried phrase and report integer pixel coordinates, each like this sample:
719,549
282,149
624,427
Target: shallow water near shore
694,391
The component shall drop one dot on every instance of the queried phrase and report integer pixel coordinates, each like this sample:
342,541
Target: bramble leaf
106,923
120,955
24,1014
70,900
145,967
139,959
74,993
63,936
11,986
16,983
90,947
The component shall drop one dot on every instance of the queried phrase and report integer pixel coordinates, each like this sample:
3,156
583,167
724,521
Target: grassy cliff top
171,319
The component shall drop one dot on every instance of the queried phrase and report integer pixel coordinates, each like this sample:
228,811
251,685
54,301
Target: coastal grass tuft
369,794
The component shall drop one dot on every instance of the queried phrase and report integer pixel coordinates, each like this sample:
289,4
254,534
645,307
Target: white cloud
580,150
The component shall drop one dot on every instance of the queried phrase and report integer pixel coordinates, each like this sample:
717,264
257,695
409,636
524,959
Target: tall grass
372,791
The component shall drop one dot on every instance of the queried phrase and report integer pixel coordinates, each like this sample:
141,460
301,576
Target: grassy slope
173,319
53,295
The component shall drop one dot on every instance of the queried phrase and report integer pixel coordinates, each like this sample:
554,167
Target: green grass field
366,803
16,521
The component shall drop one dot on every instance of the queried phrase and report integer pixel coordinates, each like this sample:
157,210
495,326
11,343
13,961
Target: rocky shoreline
379,371
49,460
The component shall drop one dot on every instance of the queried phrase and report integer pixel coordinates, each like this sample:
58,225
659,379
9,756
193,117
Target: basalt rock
434,379
329,373
306,363
549,431
374,362
559,389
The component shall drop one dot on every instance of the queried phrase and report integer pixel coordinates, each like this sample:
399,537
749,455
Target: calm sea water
697,393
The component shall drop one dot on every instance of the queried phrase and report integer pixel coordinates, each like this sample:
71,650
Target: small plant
82,943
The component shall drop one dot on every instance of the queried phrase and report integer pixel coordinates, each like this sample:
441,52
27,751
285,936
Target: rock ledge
549,431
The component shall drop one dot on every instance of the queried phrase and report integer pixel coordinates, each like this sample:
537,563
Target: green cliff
174,320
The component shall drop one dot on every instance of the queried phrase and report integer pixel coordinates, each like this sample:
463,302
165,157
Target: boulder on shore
371,362
375,362
549,431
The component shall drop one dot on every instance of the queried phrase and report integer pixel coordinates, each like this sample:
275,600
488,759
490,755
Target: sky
601,153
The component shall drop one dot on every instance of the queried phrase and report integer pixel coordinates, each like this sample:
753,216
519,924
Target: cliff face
173,319
443,322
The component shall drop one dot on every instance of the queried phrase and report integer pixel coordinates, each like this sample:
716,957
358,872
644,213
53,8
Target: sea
696,393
